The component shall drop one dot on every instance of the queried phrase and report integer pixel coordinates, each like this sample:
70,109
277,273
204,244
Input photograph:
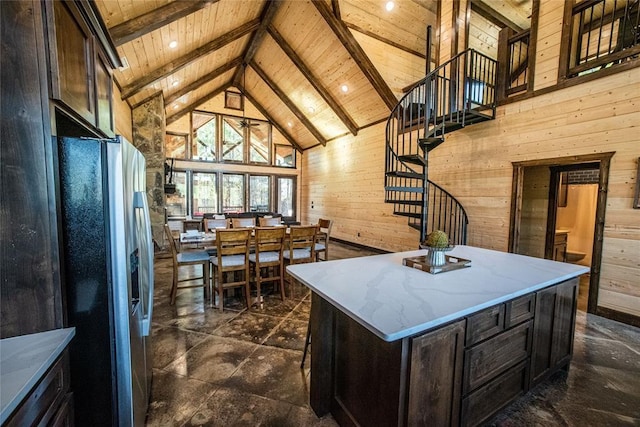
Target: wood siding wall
345,180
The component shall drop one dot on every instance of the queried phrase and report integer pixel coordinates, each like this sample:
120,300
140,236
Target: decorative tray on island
423,263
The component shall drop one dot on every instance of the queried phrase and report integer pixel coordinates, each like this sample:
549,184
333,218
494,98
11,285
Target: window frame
567,72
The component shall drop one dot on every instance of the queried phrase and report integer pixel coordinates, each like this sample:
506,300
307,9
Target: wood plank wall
345,179
345,182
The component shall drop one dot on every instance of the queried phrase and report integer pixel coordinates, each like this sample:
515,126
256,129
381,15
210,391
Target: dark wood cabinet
31,297
81,60
50,402
560,247
459,374
554,329
72,59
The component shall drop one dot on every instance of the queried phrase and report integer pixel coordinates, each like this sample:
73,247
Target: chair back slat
233,241
214,224
269,239
243,222
270,222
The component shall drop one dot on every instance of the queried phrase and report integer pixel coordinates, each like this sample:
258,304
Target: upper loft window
603,33
230,139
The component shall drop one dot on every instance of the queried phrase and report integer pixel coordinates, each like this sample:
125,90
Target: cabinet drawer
489,359
519,310
485,324
487,400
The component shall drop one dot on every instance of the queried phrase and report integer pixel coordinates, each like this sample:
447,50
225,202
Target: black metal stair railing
457,93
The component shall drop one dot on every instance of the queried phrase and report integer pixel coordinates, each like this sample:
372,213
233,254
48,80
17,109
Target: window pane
204,137
232,139
286,192
205,193
259,142
233,193
285,155
259,193
177,202
175,145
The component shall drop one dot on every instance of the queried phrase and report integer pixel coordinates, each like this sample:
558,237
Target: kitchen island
393,345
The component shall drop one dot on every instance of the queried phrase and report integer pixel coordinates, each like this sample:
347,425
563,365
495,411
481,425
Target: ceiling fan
244,123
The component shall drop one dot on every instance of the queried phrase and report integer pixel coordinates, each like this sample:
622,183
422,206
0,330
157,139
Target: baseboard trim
359,246
618,316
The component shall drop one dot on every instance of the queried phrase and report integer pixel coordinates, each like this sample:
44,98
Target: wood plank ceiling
292,56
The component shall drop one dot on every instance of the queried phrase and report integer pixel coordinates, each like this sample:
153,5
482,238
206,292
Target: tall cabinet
56,79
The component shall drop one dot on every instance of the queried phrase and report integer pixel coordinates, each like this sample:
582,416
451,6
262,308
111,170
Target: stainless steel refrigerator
107,278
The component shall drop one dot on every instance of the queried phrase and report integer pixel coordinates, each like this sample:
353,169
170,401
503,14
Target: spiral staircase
458,93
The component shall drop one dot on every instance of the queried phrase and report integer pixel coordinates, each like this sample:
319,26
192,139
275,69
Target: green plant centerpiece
437,243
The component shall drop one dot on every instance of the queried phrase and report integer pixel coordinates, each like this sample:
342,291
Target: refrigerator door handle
140,202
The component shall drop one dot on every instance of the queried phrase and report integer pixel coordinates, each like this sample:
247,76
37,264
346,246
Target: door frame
601,161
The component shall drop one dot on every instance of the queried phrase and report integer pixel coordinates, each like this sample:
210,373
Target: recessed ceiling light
173,44
290,124
312,110
175,83
344,88
175,106
389,6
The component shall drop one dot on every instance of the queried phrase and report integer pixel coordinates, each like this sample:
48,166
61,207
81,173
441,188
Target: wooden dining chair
243,222
270,222
269,247
233,257
301,244
322,239
212,224
187,258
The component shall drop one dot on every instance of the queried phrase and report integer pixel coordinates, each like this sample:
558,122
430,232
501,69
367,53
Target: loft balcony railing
603,33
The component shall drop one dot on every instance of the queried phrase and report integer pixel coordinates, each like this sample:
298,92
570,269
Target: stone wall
148,137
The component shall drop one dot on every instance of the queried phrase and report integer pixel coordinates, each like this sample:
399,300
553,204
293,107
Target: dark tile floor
240,368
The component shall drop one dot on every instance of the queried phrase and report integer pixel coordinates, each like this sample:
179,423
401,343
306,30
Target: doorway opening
558,207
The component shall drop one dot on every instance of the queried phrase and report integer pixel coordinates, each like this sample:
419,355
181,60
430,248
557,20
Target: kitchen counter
393,345
24,360
393,301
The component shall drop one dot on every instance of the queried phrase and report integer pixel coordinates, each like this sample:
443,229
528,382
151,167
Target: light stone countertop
393,301
24,360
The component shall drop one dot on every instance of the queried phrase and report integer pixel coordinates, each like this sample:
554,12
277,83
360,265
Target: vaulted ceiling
290,58
298,55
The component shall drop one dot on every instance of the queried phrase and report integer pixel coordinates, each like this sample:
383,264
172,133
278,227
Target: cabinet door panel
104,111
72,61
554,328
436,374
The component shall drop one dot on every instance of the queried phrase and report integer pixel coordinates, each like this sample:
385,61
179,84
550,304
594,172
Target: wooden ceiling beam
314,81
335,5
384,40
358,54
183,61
175,116
266,16
286,101
203,80
275,124
157,18
494,16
